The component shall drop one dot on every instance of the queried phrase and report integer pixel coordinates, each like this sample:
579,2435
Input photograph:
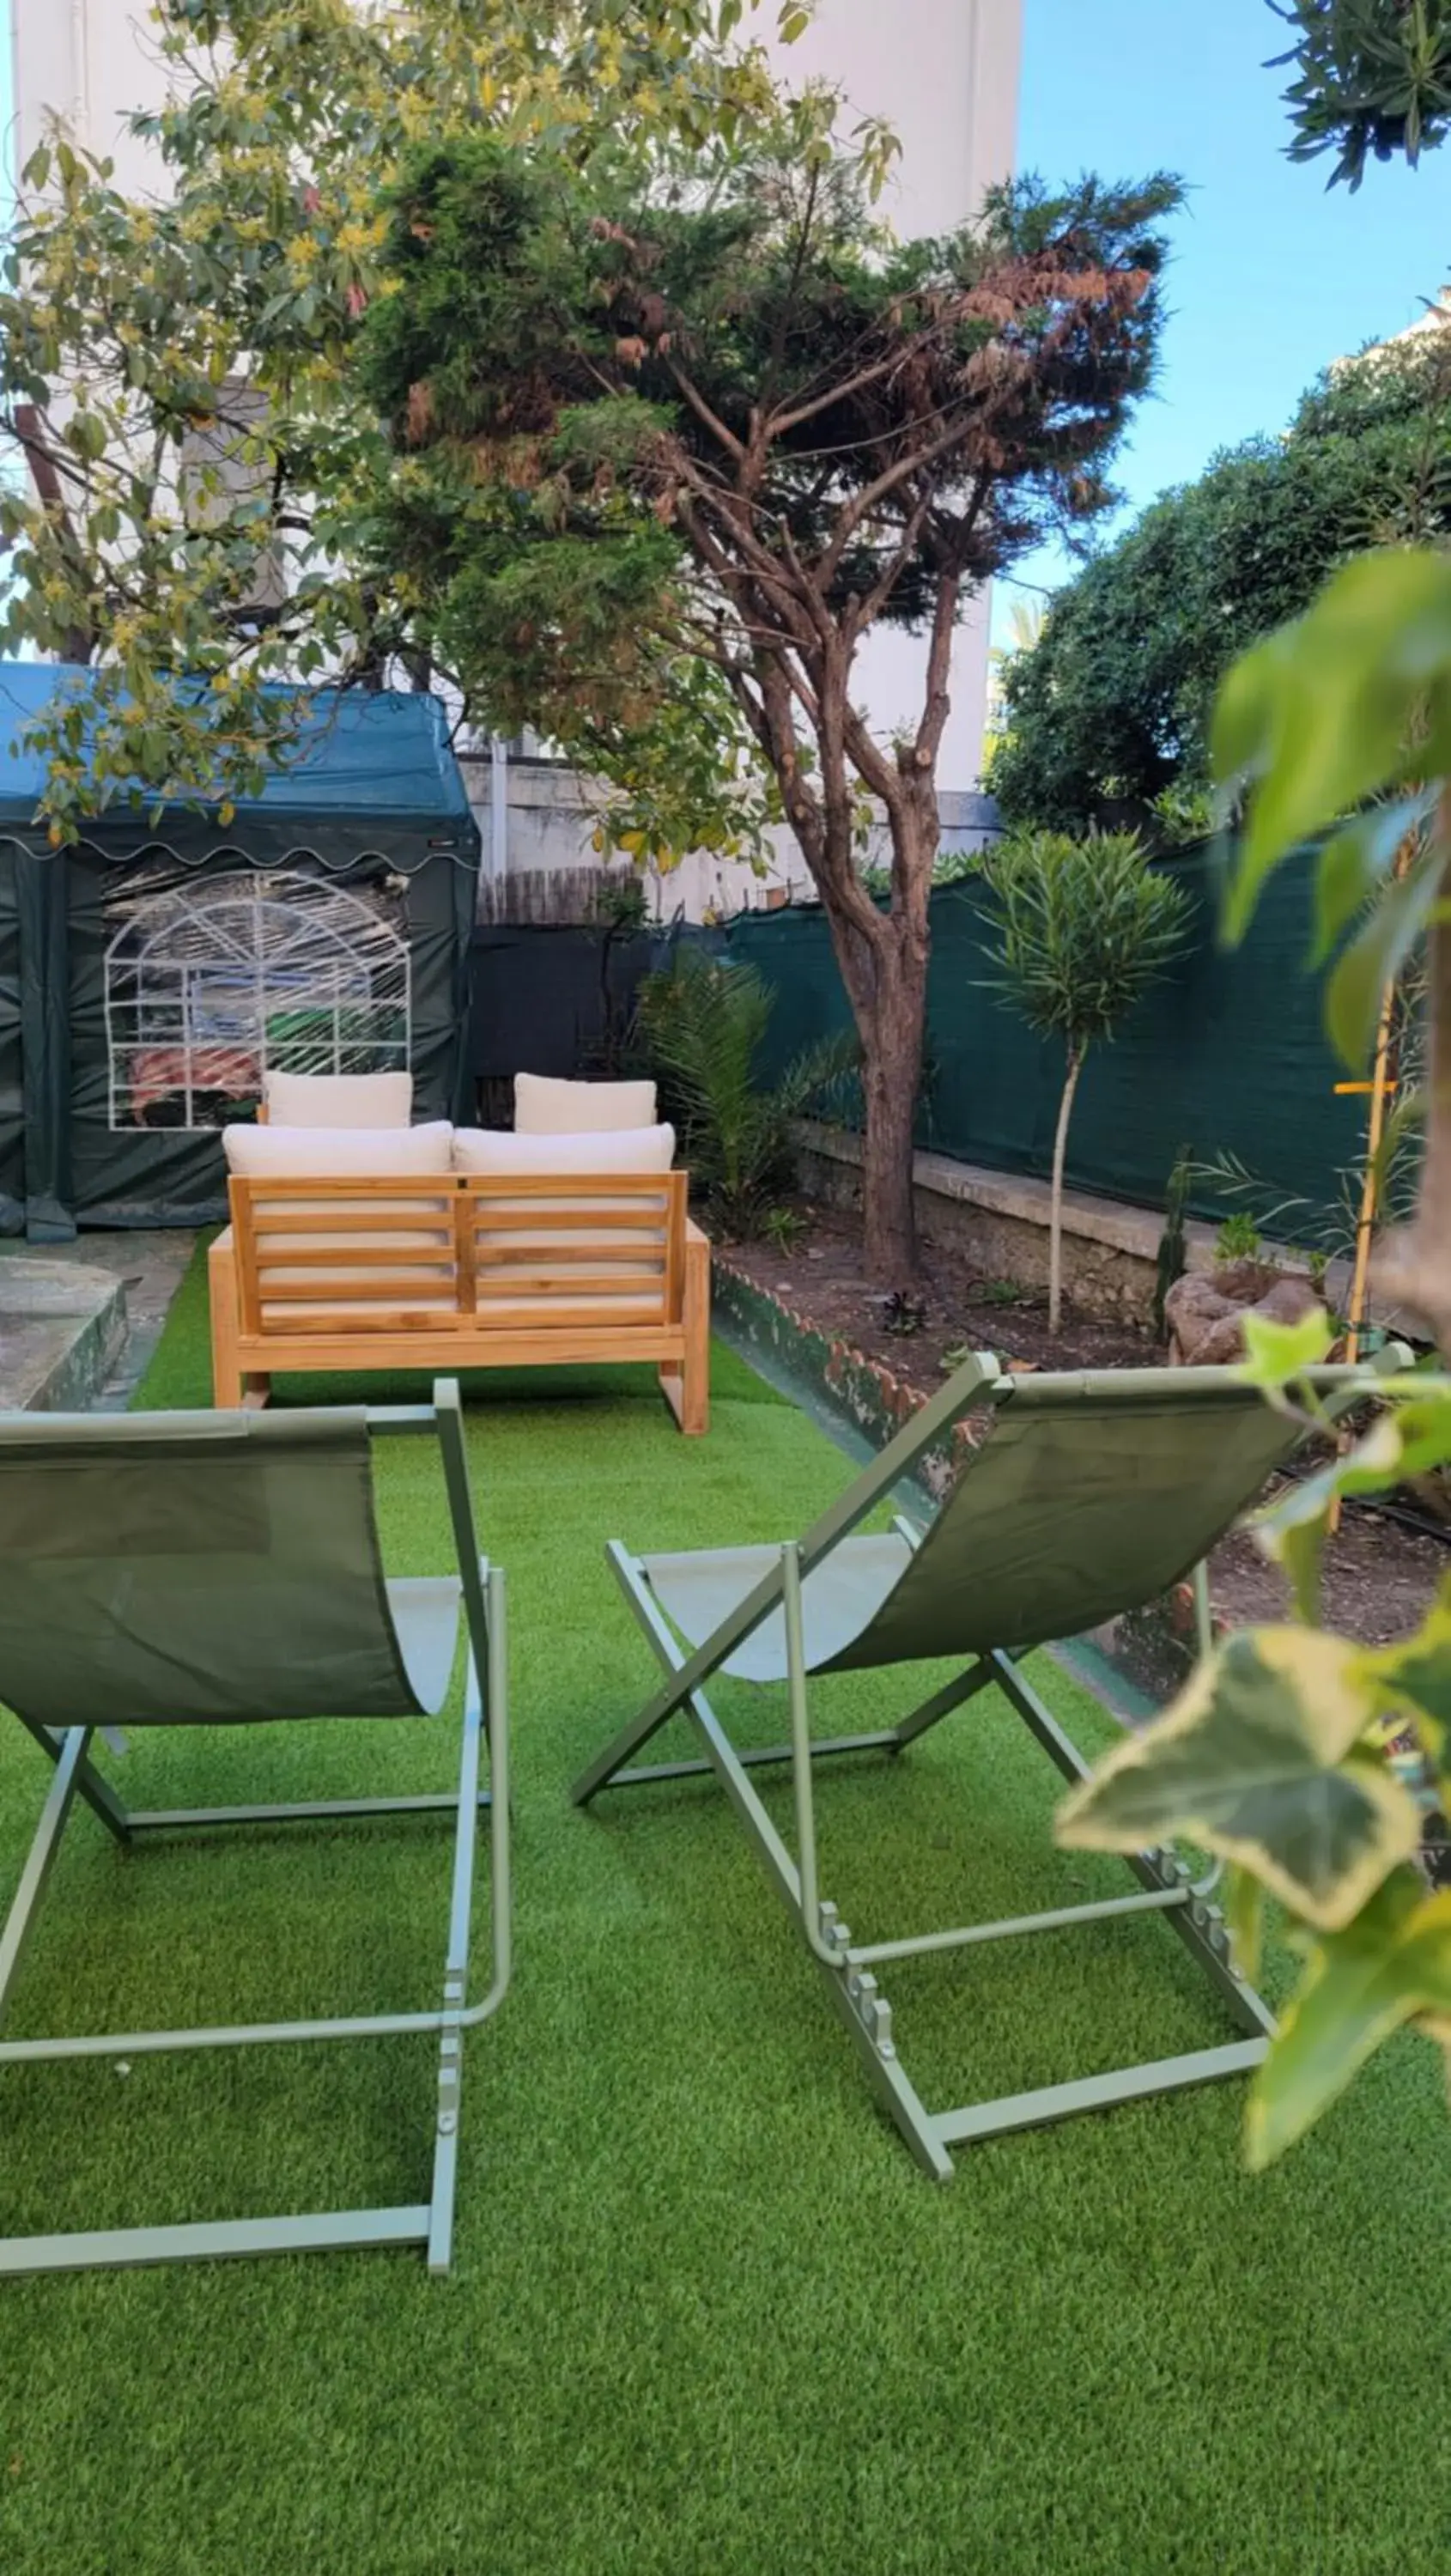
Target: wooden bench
461,1270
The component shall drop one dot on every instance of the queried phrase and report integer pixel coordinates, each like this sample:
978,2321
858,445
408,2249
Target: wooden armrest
695,1233
223,1242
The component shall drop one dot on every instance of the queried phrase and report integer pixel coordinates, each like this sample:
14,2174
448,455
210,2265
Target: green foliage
1238,1239
1351,703
666,454
703,1023
1371,76
785,1228
1390,1965
1261,1761
1083,928
903,1314
1114,703
178,368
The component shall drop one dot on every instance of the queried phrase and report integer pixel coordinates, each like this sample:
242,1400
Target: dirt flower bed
1380,1575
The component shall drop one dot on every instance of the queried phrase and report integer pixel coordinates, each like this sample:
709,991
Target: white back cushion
628,1149
544,1107
338,1099
326,1153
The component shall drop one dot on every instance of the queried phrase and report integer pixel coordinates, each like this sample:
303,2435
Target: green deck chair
1093,1493
210,1569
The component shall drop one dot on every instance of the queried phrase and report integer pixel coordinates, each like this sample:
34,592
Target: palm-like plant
1081,929
703,1022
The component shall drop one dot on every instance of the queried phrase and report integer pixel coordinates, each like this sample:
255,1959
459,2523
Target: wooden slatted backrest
527,1253
346,1254
548,1249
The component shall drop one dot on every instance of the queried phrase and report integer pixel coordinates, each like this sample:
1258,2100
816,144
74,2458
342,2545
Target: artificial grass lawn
705,2313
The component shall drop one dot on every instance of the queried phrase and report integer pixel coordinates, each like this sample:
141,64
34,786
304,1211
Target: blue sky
1271,277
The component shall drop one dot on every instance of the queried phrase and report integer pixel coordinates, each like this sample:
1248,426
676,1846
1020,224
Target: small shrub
903,1312
785,1227
1081,929
999,1292
702,1024
1238,1238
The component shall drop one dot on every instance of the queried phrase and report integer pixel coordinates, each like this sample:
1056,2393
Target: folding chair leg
455,1975
854,1999
97,1793
41,1859
847,1969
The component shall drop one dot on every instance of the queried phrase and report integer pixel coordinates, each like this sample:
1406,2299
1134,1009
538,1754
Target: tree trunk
891,1023
1055,1204
882,957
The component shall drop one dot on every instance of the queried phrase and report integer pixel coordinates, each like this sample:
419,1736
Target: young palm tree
1081,930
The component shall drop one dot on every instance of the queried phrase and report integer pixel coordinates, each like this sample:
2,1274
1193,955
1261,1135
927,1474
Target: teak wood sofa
455,1270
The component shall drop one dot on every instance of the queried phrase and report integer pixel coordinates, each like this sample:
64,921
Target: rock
1205,1315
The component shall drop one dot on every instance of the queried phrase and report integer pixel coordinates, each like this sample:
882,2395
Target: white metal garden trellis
214,981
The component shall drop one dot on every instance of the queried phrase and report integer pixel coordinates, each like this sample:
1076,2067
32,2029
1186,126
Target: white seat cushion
327,1153
627,1149
338,1099
546,1107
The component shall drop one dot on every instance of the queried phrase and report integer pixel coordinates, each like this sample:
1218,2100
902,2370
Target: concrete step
62,1328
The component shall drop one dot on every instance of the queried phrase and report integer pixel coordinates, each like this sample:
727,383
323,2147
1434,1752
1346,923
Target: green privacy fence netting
1227,1055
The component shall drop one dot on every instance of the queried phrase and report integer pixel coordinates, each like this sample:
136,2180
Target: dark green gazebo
150,975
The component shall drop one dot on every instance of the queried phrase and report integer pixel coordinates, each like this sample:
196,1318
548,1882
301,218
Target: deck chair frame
1167,1884
427,2223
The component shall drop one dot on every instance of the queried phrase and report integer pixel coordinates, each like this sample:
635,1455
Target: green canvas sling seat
1091,1493
204,1569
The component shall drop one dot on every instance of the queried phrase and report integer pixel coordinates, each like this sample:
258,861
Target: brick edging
873,1398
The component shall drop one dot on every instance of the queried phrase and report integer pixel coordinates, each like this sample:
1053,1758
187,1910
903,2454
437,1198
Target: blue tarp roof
360,753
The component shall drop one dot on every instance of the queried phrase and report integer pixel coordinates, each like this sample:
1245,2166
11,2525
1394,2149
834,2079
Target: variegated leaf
1416,1674
1391,1965
1260,1760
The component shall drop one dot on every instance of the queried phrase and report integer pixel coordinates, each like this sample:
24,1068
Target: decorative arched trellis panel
212,981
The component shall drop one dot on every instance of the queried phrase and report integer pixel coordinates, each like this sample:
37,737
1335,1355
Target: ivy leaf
1259,1761
1374,959
1293,1530
1277,1354
1356,863
1316,718
1393,1962
1417,1672
1244,1912
1425,1429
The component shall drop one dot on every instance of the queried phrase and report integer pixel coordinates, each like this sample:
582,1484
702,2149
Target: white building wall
944,74
93,63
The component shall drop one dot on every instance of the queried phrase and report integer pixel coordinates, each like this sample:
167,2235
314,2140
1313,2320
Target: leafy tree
1113,705
1371,76
658,446
176,369
1080,930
